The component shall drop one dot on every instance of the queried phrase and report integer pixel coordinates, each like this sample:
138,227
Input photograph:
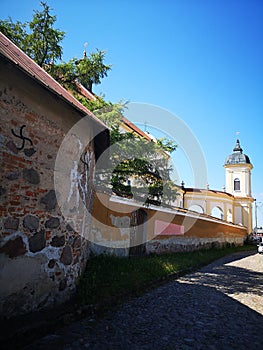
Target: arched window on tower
236,184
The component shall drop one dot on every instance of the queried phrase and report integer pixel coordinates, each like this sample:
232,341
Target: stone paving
218,307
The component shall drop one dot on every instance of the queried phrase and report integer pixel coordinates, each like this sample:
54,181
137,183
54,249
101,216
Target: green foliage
92,105
16,32
108,278
42,42
111,115
64,73
139,168
91,69
133,158
86,71
167,145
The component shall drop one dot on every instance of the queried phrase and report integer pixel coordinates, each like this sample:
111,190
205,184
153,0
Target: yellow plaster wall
199,227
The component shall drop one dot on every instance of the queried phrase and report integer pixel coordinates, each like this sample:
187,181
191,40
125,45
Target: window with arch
236,184
197,208
217,212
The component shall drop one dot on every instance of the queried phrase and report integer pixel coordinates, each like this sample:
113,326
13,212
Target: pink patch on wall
167,229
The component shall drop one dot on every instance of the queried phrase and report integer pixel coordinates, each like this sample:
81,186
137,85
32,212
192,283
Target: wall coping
175,210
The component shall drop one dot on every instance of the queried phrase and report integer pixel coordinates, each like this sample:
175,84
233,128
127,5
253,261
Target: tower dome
237,157
238,183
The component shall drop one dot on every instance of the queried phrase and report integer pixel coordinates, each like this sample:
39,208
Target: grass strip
110,279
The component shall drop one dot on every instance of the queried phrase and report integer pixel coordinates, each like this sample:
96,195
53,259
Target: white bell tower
238,183
238,173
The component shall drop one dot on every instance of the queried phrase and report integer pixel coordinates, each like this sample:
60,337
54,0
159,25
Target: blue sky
202,60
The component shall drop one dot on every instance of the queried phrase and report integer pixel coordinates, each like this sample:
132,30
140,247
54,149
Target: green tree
139,168
43,43
134,158
87,71
38,38
64,73
16,32
91,69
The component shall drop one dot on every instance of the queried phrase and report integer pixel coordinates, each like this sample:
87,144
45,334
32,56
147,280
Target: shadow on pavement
193,312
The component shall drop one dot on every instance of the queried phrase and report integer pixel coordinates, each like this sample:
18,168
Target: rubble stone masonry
41,256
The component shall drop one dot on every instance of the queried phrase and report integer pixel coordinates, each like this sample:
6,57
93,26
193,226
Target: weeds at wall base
107,282
109,278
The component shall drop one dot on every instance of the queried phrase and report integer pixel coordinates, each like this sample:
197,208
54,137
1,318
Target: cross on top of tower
237,147
237,157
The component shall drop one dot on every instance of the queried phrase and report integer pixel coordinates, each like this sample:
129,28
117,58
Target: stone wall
181,230
41,256
189,244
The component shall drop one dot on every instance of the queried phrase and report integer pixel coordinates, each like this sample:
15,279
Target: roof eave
8,50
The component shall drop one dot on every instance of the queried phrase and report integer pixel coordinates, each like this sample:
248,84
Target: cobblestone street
218,307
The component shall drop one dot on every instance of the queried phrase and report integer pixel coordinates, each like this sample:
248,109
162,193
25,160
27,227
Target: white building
234,204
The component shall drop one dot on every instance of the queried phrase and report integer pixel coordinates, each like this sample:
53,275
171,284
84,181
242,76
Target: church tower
238,183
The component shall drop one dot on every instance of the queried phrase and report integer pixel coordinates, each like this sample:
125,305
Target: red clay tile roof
26,64
136,129
85,92
200,190
17,56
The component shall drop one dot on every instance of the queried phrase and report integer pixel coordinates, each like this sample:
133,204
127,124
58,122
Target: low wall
163,229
